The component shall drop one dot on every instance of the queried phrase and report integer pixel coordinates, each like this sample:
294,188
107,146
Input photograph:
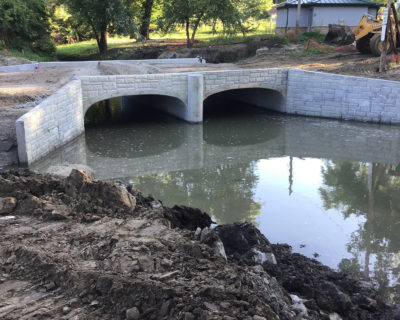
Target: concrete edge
337,75
34,65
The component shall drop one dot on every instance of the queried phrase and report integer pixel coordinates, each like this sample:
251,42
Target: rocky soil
78,248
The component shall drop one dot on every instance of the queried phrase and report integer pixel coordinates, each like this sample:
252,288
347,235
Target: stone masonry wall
51,124
342,97
98,88
218,81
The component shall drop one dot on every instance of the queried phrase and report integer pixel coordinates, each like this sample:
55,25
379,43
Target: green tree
26,24
103,17
191,13
66,28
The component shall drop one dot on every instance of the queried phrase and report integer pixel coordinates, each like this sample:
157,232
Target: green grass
308,52
28,54
205,35
313,35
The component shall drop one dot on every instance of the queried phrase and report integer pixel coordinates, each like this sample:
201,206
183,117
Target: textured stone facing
54,122
98,88
218,81
342,97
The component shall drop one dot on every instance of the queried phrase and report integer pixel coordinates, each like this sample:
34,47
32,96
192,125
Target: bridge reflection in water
115,152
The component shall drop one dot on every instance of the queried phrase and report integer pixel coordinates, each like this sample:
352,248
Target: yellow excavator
369,30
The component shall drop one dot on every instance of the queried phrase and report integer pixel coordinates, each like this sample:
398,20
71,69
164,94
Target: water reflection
322,186
225,192
369,190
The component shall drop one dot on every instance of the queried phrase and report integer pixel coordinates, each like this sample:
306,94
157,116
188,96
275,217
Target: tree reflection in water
225,192
372,191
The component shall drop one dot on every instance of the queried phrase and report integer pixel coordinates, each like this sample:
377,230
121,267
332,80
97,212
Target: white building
318,14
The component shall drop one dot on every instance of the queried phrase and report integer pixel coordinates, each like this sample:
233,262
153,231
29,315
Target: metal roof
336,3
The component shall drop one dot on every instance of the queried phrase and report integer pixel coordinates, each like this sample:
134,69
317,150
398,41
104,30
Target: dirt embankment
77,248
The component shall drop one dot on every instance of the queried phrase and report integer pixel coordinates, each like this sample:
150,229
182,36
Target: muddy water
330,189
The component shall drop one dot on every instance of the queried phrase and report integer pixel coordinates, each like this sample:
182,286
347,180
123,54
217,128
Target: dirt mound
77,248
314,45
6,60
107,68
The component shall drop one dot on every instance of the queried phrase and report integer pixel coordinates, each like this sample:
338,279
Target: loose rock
7,205
132,314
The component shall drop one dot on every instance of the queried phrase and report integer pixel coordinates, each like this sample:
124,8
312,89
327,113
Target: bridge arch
258,95
131,93
99,88
238,86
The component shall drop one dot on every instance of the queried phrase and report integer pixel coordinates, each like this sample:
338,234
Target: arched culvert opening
241,117
237,100
149,105
139,126
135,109
103,112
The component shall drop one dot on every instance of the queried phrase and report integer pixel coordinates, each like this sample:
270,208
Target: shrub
313,35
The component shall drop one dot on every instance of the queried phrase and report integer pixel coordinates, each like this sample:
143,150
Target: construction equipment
369,30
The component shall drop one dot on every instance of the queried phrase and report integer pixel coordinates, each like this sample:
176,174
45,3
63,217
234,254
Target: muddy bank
77,248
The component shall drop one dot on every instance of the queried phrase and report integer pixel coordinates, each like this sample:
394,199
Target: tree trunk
188,42
95,34
103,42
145,25
195,27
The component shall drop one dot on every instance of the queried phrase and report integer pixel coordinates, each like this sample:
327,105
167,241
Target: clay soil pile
78,248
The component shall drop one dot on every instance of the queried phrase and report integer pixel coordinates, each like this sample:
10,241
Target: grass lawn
27,54
204,35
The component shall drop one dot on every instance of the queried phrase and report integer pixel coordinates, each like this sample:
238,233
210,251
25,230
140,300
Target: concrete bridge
191,88
60,118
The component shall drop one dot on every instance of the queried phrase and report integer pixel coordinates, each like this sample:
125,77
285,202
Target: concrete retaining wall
342,97
51,124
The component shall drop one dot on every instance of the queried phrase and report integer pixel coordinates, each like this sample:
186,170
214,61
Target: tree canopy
191,13
102,16
26,24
